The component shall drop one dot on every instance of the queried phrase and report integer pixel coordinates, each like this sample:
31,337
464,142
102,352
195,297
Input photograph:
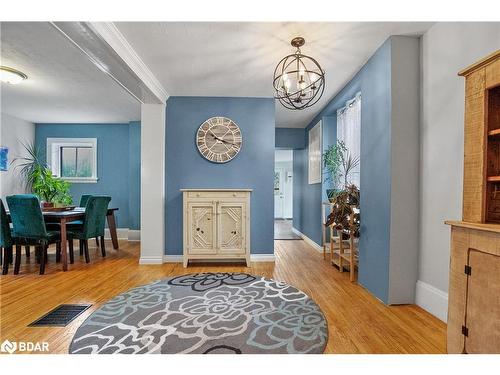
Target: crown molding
111,35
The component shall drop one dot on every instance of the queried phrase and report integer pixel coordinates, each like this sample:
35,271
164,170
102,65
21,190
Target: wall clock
219,139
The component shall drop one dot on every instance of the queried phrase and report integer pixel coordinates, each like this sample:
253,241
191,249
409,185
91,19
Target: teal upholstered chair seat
96,209
6,241
29,228
52,236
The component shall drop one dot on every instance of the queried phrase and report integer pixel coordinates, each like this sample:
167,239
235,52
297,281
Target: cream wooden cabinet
216,224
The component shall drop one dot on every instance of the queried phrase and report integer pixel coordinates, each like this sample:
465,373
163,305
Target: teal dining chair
96,209
5,240
83,202
83,199
29,228
72,224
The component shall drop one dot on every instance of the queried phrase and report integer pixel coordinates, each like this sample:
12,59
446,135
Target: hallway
283,230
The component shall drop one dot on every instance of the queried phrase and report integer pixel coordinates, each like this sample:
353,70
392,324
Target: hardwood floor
357,321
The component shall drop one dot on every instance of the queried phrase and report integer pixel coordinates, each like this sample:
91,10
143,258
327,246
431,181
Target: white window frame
54,146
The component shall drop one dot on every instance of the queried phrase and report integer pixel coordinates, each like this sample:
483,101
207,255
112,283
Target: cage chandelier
299,80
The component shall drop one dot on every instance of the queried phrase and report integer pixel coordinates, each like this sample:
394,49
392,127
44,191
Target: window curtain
349,131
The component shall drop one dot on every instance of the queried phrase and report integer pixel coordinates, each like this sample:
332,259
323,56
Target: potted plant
345,211
39,180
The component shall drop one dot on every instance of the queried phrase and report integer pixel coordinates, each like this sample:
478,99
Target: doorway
283,195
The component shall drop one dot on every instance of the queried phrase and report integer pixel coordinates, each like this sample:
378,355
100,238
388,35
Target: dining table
77,213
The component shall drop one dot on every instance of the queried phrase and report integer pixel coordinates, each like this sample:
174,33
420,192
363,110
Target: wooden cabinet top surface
478,226
481,63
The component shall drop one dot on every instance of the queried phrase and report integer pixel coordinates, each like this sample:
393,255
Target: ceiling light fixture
299,81
11,75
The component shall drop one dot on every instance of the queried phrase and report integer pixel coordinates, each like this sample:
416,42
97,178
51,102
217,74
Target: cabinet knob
234,194
197,194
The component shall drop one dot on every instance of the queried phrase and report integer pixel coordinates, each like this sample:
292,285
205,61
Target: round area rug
206,313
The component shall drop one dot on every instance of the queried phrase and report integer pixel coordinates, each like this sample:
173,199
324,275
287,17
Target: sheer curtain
349,131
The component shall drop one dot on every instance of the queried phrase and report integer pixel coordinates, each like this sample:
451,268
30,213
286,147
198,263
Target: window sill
92,180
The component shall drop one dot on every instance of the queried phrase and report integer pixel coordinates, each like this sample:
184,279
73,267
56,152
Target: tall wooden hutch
474,292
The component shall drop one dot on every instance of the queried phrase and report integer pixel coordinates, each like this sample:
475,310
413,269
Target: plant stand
344,251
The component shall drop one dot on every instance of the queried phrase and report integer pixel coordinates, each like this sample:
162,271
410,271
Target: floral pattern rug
212,313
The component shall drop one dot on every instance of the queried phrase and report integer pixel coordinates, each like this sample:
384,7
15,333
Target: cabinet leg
185,262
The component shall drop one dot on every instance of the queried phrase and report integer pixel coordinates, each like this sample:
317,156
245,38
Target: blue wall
134,180
115,170
374,82
252,168
290,138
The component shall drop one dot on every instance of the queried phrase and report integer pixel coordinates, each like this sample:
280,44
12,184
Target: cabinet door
231,228
201,228
483,304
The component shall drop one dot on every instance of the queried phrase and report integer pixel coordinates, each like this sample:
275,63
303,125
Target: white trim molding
150,260
124,234
173,258
310,242
253,258
134,235
110,33
432,299
262,258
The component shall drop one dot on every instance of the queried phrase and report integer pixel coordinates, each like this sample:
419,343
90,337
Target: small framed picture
315,156
4,158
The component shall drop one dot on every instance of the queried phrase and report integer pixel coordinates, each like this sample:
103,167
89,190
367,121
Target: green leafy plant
50,188
38,177
349,164
339,165
333,160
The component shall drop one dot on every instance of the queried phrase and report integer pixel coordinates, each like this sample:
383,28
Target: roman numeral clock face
219,139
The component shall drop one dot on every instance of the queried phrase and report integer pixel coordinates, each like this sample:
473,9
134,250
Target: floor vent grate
61,316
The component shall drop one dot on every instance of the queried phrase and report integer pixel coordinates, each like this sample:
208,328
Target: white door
279,201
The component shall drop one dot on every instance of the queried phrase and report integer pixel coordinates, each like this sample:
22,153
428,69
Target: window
349,131
73,159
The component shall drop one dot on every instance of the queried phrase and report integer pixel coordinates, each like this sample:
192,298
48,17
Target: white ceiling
238,59
63,85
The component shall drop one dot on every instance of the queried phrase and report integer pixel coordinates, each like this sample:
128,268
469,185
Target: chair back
26,216
95,216
83,199
5,236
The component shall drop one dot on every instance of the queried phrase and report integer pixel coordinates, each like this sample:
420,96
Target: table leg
112,229
64,242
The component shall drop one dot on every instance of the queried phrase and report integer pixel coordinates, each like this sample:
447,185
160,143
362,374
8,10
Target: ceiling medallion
299,81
